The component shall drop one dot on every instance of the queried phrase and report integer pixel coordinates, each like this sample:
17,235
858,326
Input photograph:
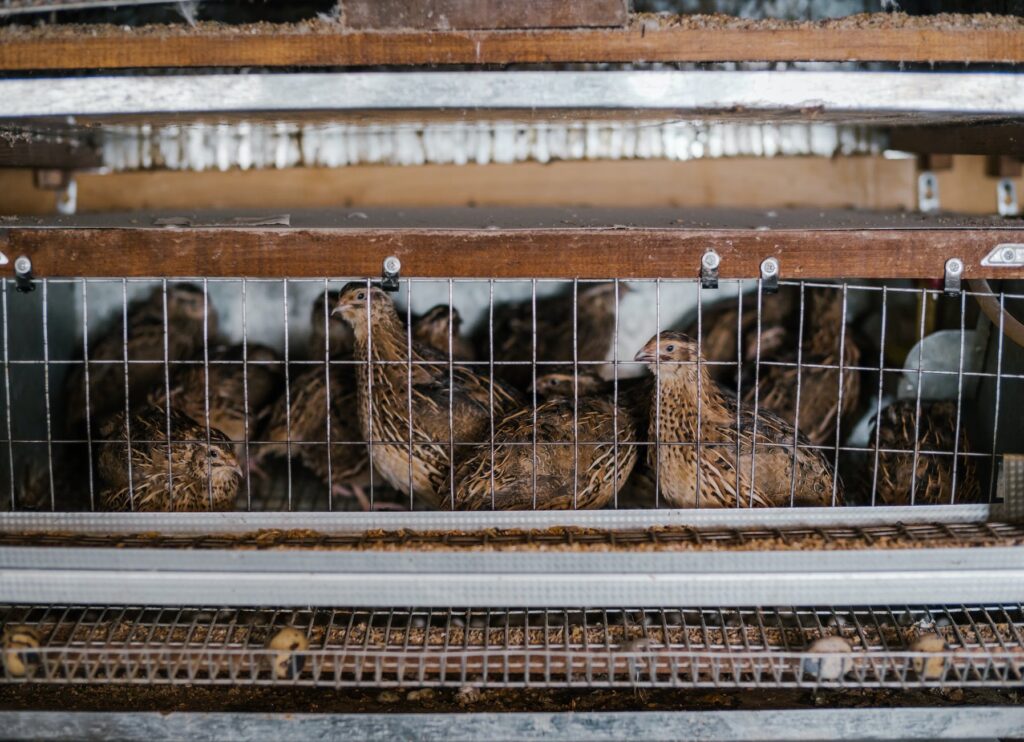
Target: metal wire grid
667,538
833,450
627,647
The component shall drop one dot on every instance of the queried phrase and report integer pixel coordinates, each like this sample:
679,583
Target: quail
897,480
574,464
301,418
219,391
434,327
135,475
822,403
708,471
186,309
513,331
450,404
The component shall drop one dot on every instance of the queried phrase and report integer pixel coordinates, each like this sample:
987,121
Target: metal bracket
954,272
390,272
1006,197
709,263
770,275
927,192
1005,255
23,274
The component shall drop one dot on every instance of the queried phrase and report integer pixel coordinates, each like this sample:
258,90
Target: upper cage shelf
868,97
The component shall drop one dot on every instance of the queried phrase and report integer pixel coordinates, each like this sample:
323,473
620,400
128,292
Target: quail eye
670,348
361,295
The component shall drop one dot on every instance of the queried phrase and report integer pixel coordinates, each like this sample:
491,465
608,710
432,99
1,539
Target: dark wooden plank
976,139
465,14
527,218
645,40
519,253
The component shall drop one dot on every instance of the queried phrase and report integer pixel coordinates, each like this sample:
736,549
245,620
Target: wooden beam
512,243
646,39
463,14
976,139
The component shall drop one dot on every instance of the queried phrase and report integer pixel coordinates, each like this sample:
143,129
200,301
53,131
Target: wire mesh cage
909,646
228,394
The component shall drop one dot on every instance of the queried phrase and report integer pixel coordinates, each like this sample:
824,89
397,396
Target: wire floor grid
699,648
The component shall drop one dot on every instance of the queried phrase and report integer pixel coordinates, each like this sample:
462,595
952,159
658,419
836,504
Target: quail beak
646,354
237,469
341,306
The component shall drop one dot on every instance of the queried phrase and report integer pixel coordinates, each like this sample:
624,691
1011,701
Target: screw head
392,265
23,265
1009,254
954,266
710,260
769,266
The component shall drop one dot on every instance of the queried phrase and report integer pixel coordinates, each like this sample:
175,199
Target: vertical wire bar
490,367
575,396
369,391
878,402
757,393
451,401
615,399
206,389
796,411
739,388
657,396
999,386
408,388
245,394
127,403
7,399
839,408
917,399
959,397
167,399
533,371
287,394
88,409
327,395
46,393
960,400
700,385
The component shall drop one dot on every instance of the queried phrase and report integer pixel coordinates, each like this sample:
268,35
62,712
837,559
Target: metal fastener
1006,197
954,272
709,263
770,275
390,273
927,192
23,274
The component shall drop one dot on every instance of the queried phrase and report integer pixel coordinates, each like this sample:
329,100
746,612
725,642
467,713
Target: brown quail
725,476
202,476
448,403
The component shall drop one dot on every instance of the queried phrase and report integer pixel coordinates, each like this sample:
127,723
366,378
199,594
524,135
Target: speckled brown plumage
145,343
347,468
432,328
231,383
202,477
384,397
513,331
582,471
770,450
722,321
819,387
936,432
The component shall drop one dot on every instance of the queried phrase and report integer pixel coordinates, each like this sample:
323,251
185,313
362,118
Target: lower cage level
825,647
